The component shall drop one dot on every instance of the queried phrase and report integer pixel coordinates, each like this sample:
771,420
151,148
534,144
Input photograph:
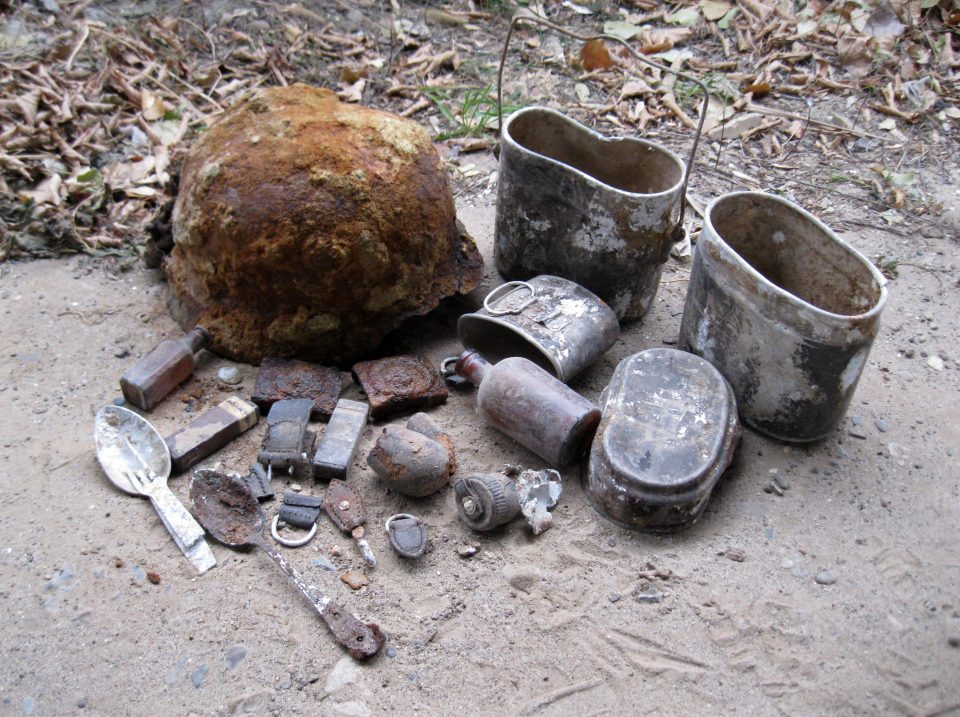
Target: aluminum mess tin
553,322
601,211
785,309
668,431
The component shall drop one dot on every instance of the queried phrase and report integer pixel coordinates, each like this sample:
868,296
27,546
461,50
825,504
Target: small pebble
735,554
355,579
198,674
335,551
909,353
856,420
935,362
82,703
121,353
783,482
881,425
613,598
857,432
391,652
230,375
153,577
119,401
296,487
467,551
954,641
825,577
649,596
139,576
324,564
235,655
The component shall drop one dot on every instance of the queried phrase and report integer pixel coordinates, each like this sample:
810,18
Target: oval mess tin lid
669,430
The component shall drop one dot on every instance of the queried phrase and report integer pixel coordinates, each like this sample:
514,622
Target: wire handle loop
531,19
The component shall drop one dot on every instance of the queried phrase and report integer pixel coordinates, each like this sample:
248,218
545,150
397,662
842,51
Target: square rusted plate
400,384
279,379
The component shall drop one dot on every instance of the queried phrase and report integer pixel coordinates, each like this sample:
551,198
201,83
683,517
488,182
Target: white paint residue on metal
705,344
573,307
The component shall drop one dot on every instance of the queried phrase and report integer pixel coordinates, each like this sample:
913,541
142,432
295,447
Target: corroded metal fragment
338,445
410,463
399,384
308,227
279,379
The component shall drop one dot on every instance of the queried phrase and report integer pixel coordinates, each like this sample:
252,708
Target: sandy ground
565,623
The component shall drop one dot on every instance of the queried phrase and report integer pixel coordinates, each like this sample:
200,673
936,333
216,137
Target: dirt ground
566,623
822,579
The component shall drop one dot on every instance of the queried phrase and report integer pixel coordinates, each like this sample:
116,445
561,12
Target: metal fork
186,532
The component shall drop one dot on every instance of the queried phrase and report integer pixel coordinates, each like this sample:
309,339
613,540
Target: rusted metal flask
168,365
522,400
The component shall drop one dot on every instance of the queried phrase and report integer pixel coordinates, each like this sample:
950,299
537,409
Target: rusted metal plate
400,384
362,640
279,379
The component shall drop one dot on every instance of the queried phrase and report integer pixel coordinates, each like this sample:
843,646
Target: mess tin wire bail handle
533,20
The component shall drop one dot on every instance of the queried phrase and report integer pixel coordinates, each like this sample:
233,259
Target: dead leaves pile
94,114
891,62
97,109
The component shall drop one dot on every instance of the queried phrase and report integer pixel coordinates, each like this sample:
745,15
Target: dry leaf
620,29
737,127
660,40
121,175
151,106
756,8
579,9
595,56
29,104
352,92
855,55
883,21
686,17
888,124
635,88
759,89
47,192
714,10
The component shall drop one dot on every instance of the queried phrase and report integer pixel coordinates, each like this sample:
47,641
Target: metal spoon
229,511
137,461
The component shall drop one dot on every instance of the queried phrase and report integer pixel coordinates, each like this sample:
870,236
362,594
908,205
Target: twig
84,34
760,109
803,133
894,112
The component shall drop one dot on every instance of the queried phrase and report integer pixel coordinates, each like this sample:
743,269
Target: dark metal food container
668,431
552,321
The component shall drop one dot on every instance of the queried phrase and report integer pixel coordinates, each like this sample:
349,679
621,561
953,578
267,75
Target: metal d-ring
299,542
397,516
513,309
